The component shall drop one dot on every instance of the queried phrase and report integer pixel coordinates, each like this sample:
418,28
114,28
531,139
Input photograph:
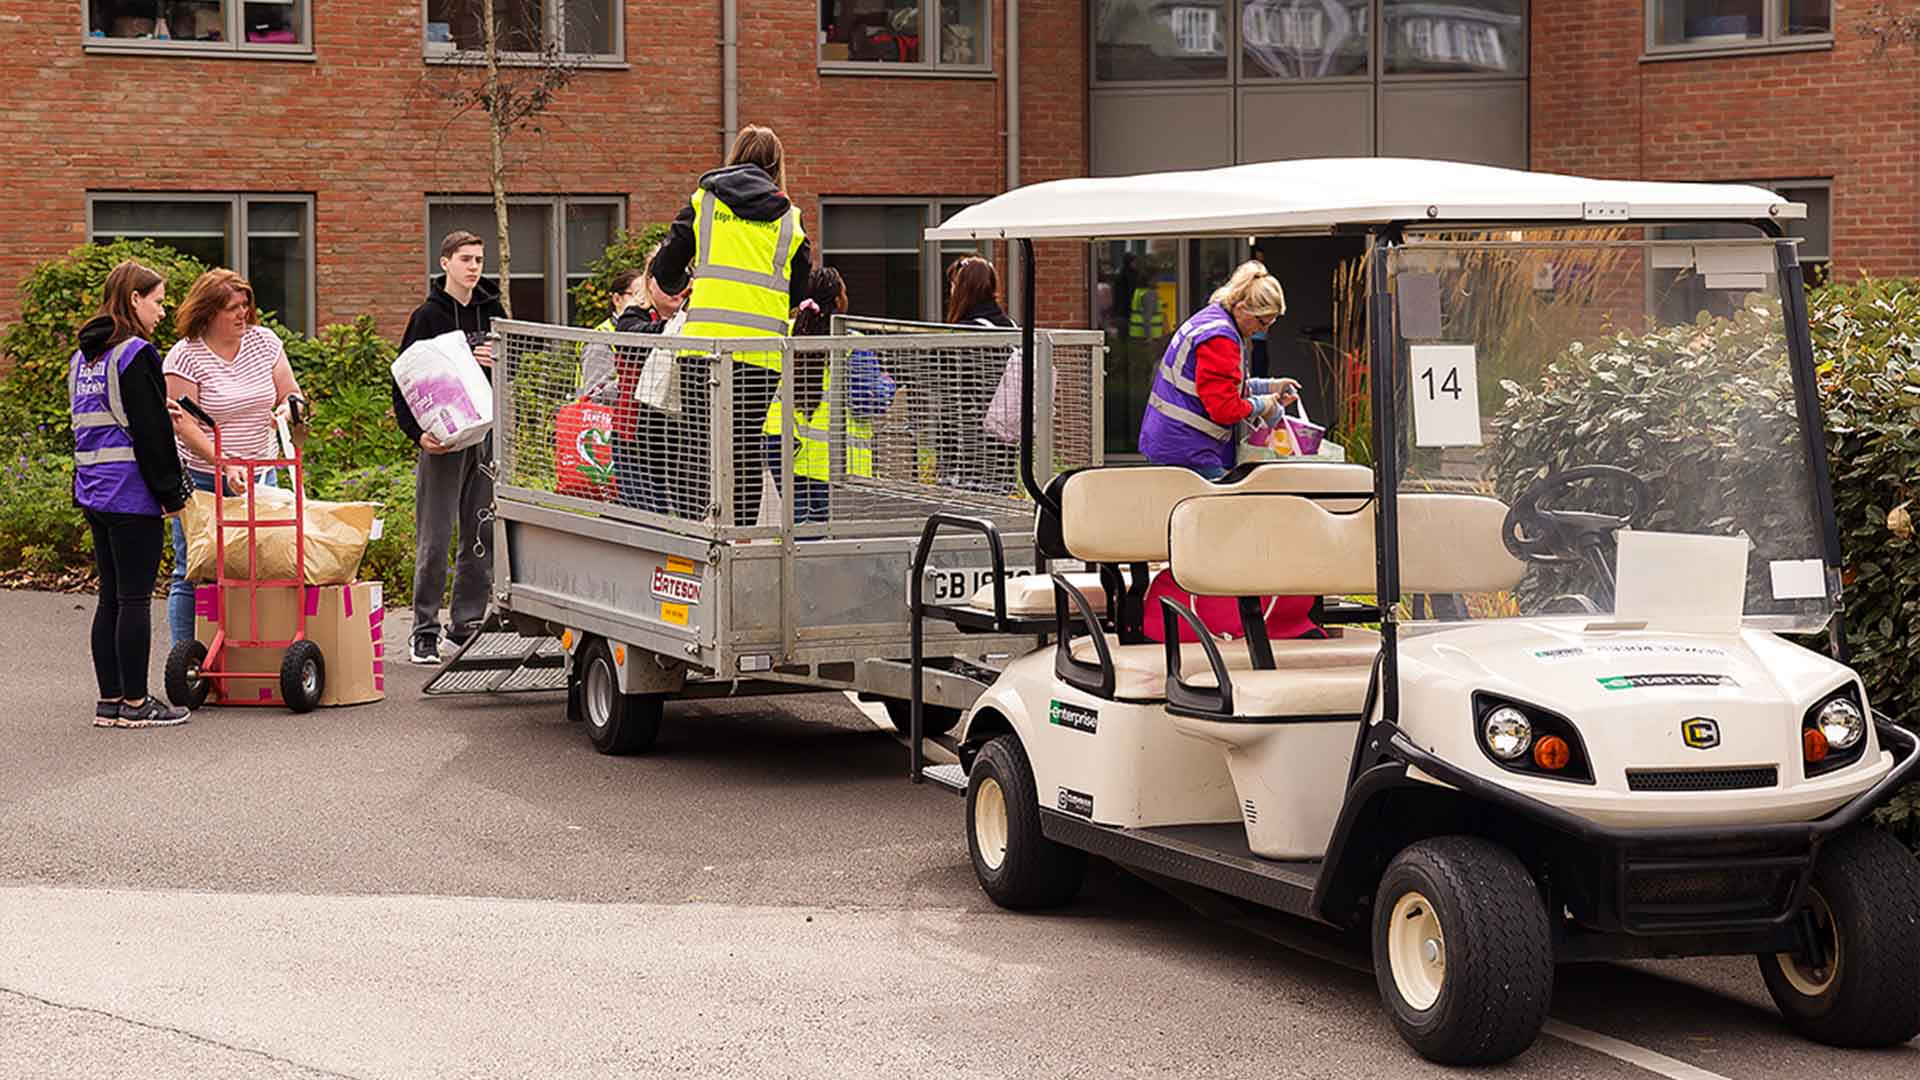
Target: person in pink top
237,371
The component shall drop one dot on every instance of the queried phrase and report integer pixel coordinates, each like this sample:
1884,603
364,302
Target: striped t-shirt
239,395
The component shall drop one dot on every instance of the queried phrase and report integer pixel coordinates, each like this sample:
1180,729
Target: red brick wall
359,129
1839,113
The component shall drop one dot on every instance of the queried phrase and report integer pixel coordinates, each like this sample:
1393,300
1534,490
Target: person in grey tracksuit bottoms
451,486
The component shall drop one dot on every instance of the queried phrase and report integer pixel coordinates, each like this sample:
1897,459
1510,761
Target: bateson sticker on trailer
1073,716
676,588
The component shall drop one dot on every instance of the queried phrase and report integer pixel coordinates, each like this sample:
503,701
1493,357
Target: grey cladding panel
1484,123
1277,124
1136,131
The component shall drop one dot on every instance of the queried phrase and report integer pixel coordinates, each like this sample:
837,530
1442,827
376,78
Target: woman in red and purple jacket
1201,390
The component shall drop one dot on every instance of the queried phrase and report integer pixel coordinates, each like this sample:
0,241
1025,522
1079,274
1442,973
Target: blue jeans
1211,472
179,593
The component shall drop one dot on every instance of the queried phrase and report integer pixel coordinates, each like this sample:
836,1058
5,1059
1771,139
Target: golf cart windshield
1596,381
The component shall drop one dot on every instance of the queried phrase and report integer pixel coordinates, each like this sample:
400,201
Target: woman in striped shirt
237,371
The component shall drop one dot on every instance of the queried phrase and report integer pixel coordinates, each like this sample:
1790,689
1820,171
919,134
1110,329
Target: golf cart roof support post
1806,390
1027,289
1386,471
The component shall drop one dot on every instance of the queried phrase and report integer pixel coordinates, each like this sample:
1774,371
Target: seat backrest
1119,514
1266,545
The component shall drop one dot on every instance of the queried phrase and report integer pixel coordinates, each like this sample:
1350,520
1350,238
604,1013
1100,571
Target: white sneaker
425,651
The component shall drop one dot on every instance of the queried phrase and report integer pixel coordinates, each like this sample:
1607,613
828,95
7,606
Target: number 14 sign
1446,395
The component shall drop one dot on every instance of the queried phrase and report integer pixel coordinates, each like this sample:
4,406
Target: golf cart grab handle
1581,828
924,550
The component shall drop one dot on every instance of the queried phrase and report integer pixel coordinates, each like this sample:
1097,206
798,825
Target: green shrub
55,301
592,298
41,531
390,558
346,374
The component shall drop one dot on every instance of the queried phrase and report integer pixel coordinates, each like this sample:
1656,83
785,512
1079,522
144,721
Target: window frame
234,47
1772,37
929,253
449,53
236,204
558,286
929,64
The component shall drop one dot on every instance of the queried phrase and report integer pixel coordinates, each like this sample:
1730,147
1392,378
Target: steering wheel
1536,531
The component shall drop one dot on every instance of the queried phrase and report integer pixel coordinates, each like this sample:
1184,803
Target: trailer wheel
1864,908
185,687
1017,866
617,723
934,719
303,676
1462,951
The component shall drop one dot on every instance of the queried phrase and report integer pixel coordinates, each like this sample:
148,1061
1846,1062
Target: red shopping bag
583,450
1287,616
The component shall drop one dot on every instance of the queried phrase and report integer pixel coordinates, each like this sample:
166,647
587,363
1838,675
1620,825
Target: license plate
953,585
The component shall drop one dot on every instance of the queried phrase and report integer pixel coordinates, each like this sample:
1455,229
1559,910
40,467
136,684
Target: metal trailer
663,571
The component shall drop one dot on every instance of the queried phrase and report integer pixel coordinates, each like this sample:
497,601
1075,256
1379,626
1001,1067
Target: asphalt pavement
462,887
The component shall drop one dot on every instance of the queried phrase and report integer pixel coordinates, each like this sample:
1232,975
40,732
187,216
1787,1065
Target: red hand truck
198,670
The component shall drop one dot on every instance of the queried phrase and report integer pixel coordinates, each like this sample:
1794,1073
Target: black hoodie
143,394
441,314
749,192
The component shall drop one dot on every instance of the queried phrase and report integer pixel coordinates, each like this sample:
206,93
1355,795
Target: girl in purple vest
126,478
1201,390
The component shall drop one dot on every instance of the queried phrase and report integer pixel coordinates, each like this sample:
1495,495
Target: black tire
1030,871
617,723
303,676
934,719
1865,897
1494,947
185,687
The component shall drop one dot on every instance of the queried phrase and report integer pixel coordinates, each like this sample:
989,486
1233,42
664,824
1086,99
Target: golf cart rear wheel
303,676
1864,911
934,719
1462,951
1017,866
185,687
617,723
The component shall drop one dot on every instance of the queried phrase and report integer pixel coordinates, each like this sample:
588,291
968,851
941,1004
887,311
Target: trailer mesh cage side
693,434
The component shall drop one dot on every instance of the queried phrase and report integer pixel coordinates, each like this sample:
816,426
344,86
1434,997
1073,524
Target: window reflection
1425,37
1304,39
1152,40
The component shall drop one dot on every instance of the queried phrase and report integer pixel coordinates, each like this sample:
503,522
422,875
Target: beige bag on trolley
336,540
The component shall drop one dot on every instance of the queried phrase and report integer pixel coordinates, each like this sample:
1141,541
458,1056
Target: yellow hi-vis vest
740,274
813,456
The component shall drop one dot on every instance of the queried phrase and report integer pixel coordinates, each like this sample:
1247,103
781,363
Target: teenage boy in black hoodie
451,486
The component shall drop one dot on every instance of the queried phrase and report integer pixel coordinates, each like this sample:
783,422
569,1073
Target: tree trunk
497,169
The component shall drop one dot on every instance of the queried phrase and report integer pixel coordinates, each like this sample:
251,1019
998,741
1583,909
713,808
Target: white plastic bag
659,383
446,389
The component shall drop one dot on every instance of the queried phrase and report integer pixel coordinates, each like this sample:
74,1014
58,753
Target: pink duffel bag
1287,616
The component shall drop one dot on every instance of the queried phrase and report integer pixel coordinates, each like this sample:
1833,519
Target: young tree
1890,25
513,97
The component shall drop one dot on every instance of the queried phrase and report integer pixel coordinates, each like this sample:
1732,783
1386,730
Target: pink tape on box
379,684
379,667
266,694
313,601
205,599
346,600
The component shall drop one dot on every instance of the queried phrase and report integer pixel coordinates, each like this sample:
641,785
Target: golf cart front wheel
1855,985
185,686
617,723
1462,951
303,676
1018,867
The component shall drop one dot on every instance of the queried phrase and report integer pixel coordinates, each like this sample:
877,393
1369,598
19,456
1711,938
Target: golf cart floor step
1211,856
951,777
501,662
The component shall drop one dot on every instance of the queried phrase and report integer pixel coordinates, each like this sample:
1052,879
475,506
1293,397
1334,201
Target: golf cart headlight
1508,732
1840,721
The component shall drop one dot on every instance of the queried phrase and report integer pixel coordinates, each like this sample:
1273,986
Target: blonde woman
1201,389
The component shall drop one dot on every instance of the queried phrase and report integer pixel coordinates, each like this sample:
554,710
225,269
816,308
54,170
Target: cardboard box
343,620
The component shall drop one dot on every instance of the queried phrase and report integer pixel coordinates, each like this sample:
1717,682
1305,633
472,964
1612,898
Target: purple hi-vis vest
1176,429
106,475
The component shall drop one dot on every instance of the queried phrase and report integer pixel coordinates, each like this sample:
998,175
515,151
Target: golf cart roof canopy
1319,194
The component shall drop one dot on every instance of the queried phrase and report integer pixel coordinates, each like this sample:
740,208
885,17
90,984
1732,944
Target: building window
555,240
263,27
267,239
1157,41
1475,37
902,34
891,272
1714,25
1304,39
589,29
1677,295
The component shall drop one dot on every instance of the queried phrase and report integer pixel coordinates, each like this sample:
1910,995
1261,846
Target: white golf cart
1577,731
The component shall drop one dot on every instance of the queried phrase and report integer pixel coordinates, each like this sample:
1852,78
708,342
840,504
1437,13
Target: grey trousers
448,488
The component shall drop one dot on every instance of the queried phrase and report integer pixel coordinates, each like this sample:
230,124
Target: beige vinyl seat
1120,516
1030,596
